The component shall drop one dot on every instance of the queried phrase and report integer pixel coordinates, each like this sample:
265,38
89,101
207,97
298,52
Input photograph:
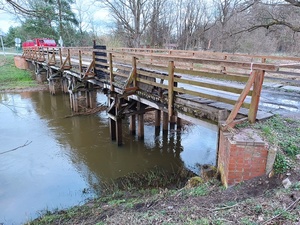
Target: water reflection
72,154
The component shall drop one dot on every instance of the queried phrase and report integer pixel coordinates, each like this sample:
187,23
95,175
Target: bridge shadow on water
98,158
70,157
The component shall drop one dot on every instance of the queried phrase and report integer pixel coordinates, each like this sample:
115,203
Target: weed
281,164
199,191
296,186
202,221
286,215
243,125
116,201
247,221
283,133
258,209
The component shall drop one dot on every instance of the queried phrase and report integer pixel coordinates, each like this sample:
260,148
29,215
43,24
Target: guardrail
164,75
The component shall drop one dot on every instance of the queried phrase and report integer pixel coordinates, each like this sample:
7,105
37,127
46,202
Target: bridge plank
220,76
210,96
212,86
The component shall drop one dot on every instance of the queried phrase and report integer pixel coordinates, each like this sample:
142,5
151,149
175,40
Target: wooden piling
132,124
112,129
140,124
119,131
157,119
179,123
165,121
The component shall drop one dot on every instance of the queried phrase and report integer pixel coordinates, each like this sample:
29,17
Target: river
64,160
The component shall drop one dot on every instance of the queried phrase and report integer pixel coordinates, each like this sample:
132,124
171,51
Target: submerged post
140,124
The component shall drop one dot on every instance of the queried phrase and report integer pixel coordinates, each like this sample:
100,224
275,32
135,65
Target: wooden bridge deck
183,84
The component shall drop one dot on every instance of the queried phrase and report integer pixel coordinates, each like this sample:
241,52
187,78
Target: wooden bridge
189,85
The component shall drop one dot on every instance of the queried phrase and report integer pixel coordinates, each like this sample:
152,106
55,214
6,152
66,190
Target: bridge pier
243,156
140,123
54,81
40,73
157,119
165,122
132,124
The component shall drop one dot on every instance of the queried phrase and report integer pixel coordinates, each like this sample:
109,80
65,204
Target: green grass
284,134
11,77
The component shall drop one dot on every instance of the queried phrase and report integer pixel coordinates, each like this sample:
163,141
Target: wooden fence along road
181,84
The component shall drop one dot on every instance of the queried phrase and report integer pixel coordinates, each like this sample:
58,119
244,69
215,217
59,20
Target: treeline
249,26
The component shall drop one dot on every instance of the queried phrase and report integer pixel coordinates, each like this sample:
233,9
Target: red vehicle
39,42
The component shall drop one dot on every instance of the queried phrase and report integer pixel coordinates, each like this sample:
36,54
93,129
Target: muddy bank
39,87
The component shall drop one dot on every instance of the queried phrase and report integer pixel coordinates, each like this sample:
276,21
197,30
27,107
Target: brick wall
20,62
241,156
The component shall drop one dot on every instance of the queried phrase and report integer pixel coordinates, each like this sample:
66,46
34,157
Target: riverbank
13,79
263,200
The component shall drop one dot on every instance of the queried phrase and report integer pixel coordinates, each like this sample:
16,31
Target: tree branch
14,149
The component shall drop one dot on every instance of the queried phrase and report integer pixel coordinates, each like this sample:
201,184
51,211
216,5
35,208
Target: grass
283,134
11,77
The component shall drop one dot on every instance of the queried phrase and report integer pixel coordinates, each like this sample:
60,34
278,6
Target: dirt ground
39,87
262,200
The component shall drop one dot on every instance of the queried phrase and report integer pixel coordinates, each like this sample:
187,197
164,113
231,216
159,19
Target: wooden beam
171,90
112,129
209,96
165,121
140,123
157,118
235,64
132,76
257,87
132,124
221,76
111,73
119,131
241,99
211,86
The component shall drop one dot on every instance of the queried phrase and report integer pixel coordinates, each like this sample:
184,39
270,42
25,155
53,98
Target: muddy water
66,159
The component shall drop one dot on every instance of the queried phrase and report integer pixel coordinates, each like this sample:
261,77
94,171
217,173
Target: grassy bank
262,200
12,77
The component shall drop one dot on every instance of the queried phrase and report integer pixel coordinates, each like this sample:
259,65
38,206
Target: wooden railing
164,75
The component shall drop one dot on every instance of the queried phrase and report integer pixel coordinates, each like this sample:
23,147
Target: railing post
171,90
111,75
80,61
134,71
60,57
223,69
48,57
257,87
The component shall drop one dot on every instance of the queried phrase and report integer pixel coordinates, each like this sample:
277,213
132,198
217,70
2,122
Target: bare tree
133,16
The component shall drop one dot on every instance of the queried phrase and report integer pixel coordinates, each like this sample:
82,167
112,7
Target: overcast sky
101,18
6,20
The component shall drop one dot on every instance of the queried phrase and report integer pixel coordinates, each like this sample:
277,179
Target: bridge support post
90,96
165,122
64,85
112,129
157,119
132,124
140,124
179,123
40,73
172,122
119,131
